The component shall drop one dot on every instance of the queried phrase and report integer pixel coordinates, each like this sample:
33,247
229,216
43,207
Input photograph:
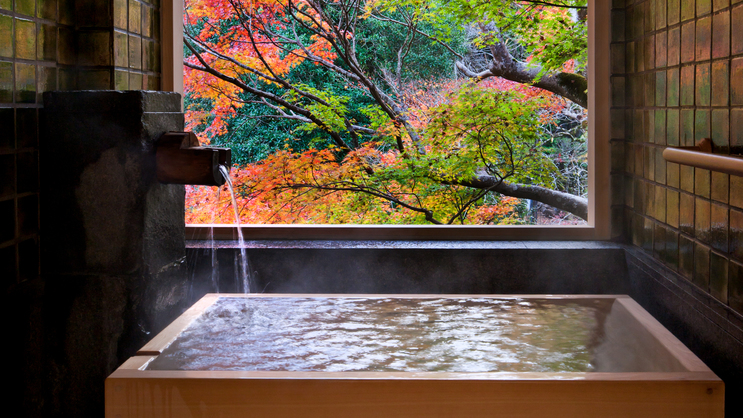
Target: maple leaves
374,142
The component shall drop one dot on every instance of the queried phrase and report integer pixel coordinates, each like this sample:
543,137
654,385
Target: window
598,157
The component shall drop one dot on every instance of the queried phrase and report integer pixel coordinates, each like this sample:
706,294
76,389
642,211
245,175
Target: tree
446,164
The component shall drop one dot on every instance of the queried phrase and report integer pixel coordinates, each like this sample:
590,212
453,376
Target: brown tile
647,235
135,81
704,38
672,127
672,174
617,91
47,48
660,127
649,161
638,201
701,266
66,52
736,192
47,80
120,14
702,182
26,7
673,12
121,50
720,187
736,131
735,287
721,35
659,241
67,79
718,277
672,208
649,89
671,256
704,7
147,14
686,173
702,220
674,46
94,80
6,36
688,42
617,123
94,48
719,227
686,257
135,17
672,87
720,83
135,52
660,166
67,12
661,49
720,4
721,130
659,212
736,234
47,9
617,156
736,81
660,88
28,259
25,83
649,11
702,124
639,164
629,192
649,200
736,35
686,213
638,122
121,80
703,86
638,90
25,39
687,10
687,85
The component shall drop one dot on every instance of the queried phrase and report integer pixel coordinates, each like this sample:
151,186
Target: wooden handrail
701,156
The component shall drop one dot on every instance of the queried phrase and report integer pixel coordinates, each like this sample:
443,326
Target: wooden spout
180,160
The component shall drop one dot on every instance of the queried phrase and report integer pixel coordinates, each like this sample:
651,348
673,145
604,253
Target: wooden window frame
599,161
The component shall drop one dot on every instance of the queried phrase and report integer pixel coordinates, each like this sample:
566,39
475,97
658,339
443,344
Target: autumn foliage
411,151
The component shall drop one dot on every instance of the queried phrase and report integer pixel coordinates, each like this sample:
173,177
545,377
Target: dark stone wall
113,250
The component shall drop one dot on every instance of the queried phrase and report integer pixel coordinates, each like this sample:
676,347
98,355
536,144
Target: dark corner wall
48,45
677,77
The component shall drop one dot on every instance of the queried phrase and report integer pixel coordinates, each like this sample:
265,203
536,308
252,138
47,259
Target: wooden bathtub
657,377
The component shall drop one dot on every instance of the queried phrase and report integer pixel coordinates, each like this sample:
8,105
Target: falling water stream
244,276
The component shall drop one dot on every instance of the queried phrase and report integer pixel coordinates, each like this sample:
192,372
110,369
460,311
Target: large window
395,170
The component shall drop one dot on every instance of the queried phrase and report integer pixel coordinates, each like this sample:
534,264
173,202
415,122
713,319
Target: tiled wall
58,45
677,70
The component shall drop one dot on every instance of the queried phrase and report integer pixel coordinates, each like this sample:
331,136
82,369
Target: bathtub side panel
362,398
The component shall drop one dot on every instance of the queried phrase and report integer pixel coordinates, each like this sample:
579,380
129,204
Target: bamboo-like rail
701,156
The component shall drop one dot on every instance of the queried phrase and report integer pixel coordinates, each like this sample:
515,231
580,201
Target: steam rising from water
389,334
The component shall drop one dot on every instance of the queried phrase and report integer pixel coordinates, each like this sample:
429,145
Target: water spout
244,276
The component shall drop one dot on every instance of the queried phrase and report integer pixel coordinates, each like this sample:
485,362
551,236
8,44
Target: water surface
391,334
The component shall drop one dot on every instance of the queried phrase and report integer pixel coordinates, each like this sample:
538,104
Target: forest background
390,111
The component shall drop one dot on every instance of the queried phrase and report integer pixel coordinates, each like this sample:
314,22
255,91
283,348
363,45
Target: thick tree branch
567,202
568,85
